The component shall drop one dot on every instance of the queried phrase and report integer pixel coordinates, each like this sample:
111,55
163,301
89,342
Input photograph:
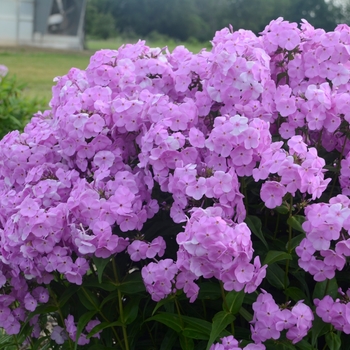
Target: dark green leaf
169,340
254,224
274,256
111,296
329,287
130,310
245,314
282,209
103,325
42,309
318,329
186,343
220,321
296,221
295,241
88,299
295,294
170,320
100,347
161,303
304,345
234,301
83,321
333,341
107,285
67,295
192,333
132,284
100,264
276,276
209,290
200,325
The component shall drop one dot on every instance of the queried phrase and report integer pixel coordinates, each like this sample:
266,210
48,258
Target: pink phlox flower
59,335
156,247
104,159
29,207
321,271
137,250
29,302
91,325
121,201
323,308
332,258
272,193
297,145
240,124
198,189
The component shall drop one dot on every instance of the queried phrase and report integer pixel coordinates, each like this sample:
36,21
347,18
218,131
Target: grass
38,67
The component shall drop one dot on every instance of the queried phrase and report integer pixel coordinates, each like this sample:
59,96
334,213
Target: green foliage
199,19
15,110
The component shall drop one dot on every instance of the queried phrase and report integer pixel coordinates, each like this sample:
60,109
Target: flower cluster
60,335
270,319
211,246
326,245
3,71
335,312
230,343
144,130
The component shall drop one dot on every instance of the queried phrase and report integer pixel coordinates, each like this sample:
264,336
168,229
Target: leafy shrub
185,201
15,109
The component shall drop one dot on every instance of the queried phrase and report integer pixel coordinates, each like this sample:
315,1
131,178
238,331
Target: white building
43,23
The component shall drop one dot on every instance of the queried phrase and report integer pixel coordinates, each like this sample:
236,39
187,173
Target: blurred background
197,20
42,39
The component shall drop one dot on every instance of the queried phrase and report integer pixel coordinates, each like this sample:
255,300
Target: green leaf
329,287
273,256
282,209
162,302
100,264
83,321
169,340
107,286
295,241
275,276
103,325
202,326
254,224
209,290
132,284
333,341
304,345
234,301
88,299
295,293
192,333
318,329
131,310
67,294
186,343
111,296
296,221
100,347
42,309
245,314
170,320
220,321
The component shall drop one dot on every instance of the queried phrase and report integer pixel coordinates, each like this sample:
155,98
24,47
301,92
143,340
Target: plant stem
121,310
226,306
290,232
